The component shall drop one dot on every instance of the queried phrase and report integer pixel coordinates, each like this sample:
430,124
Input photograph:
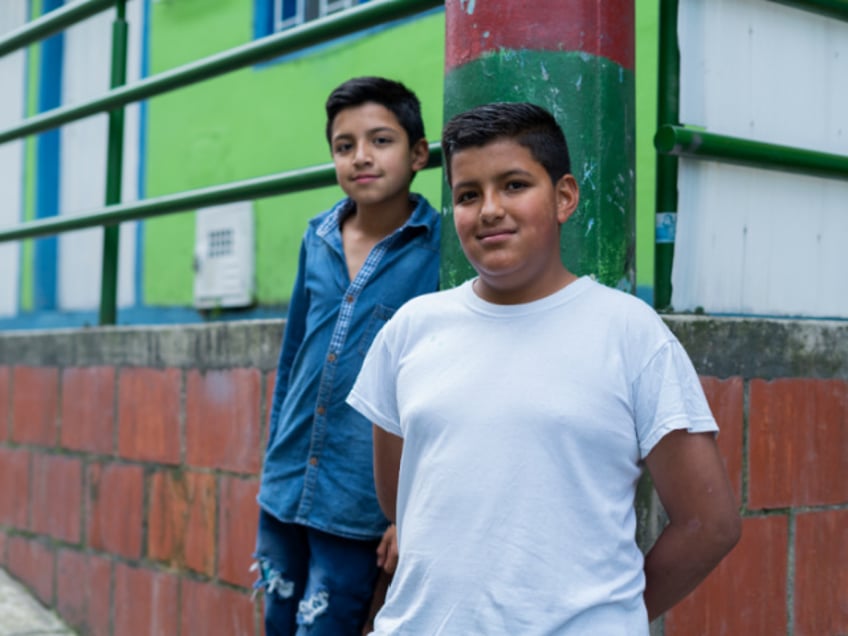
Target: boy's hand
387,551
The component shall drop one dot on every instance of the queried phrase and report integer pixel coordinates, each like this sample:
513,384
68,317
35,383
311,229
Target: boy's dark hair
528,125
392,95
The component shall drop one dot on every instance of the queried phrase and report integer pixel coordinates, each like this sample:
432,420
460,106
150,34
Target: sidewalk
22,615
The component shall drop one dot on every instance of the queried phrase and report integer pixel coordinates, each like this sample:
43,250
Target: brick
746,593
56,496
209,609
223,420
2,549
149,415
115,508
726,401
146,602
83,591
821,573
34,564
5,402
798,443
238,515
14,487
88,409
181,520
35,401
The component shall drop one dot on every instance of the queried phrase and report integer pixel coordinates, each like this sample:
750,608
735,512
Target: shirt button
331,357
349,298
313,461
321,410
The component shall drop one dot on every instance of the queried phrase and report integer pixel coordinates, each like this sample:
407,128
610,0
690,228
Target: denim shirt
318,466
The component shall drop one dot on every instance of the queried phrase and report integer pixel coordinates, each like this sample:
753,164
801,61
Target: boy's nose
491,208
362,156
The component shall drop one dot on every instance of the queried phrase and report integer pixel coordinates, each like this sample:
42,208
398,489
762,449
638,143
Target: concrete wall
129,462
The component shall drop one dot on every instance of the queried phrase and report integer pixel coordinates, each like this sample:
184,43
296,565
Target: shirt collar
418,219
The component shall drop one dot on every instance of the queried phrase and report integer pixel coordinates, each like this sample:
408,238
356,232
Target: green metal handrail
51,23
319,31
680,141
668,112
283,183
113,102
114,170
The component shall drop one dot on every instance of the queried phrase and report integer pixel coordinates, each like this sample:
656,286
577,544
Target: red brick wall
128,482
787,455
128,495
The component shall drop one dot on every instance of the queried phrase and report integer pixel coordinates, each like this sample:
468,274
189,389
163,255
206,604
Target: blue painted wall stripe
142,155
47,167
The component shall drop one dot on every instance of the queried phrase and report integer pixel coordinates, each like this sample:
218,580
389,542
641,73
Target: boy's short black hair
392,95
527,124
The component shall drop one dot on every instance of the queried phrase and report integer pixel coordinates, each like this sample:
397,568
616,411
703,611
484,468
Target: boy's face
374,160
508,215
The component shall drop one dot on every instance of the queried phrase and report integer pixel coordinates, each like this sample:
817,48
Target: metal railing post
668,112
114,171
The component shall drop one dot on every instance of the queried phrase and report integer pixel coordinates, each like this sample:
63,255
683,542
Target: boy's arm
387,452
704,524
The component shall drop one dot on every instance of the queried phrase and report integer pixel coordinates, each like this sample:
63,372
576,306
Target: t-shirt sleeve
668,396
374,393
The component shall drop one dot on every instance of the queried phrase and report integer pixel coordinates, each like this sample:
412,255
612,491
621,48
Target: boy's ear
420,153
567,197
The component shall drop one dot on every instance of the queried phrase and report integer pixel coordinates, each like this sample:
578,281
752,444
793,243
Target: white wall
13,82
86,74
755,241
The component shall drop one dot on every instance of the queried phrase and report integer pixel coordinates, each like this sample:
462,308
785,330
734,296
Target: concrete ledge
762,347
723,347
249,343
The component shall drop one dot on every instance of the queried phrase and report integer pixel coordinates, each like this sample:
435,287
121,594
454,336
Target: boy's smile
508,215
373,157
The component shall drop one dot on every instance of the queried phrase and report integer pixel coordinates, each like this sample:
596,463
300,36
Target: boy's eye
516,185
464,197
382,141
341,148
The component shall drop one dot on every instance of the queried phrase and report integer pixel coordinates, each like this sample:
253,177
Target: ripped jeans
315,583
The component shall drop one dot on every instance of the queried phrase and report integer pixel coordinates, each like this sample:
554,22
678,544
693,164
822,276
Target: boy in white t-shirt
514,415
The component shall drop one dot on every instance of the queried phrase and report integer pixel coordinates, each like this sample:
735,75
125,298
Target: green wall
261,121
270,118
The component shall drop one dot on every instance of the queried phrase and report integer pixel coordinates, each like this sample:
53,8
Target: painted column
575,58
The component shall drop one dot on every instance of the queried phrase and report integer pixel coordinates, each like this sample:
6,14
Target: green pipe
668,112
314,32
257,188
686,142
114,172
837,9
51,23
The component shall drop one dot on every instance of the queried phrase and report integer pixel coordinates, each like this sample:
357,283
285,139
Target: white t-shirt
524,427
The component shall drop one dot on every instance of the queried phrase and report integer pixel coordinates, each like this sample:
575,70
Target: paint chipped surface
468,6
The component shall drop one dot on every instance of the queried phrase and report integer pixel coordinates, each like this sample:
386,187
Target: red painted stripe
598,27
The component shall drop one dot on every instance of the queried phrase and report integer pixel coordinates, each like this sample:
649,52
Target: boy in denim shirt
320,524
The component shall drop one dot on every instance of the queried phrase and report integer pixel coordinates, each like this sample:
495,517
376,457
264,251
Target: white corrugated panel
754,241
13,82
86,74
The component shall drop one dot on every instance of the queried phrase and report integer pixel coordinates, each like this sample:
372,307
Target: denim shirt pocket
379,317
